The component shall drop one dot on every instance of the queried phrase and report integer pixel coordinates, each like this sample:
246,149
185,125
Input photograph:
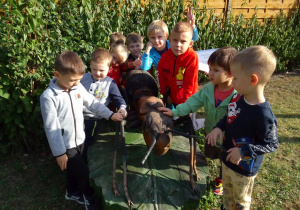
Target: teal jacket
205,98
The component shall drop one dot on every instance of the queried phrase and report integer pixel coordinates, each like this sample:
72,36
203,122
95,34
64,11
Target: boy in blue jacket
158,33
250,126
62,111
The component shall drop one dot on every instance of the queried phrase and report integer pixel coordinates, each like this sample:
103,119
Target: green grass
35,181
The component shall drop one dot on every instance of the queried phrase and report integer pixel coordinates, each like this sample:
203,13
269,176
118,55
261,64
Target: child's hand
234,155
213,135
137,62
123,112
191,17
148,47
62,161
117,117
166,111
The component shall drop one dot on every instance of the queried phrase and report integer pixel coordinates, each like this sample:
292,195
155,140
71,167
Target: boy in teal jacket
214,97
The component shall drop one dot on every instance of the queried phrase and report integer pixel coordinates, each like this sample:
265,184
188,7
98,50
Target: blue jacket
154,56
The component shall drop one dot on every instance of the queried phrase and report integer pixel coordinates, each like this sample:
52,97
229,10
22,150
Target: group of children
233,101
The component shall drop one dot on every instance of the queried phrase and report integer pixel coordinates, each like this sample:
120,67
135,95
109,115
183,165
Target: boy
115,39
178,67
250,126
158,44
134,43
62,110
214,97
103,88
119,55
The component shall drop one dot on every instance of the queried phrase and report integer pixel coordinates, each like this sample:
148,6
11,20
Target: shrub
34,32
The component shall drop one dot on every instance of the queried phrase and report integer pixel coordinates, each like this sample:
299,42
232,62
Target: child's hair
101,55
158,26
256,59
69,62
117,38
222,57
181,27
134,38
121,52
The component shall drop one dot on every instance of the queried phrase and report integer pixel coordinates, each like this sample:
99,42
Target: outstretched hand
123,112
213,135
190,17
137,62
166,111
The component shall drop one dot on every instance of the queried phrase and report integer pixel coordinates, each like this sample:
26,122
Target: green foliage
33,33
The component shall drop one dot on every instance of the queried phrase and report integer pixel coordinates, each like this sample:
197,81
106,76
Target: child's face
115,59
135,49
217,75
180,42
241,81
99,70
158,40
67,81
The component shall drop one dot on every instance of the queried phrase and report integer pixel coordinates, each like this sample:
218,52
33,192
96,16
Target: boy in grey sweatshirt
62,110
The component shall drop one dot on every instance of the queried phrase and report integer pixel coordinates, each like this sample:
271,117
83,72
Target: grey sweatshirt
105,90
63,115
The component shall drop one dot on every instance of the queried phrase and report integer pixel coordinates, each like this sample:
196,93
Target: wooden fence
265,9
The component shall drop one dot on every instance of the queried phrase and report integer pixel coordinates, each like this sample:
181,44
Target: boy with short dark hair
62,110
214,97
134,43
115,39
103,88
178,67
250,126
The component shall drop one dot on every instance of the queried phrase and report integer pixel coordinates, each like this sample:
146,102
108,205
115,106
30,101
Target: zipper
74,119
174,67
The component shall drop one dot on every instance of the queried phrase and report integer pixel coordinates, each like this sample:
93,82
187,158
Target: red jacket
115,73
179,73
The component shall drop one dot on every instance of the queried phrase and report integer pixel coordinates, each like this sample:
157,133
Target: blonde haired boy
250,126
178,67
158,44
119,54
102,88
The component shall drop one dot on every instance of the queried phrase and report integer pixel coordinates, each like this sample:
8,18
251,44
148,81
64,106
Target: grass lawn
34,181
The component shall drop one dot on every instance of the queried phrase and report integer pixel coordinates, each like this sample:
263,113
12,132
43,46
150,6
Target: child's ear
56,74
191,44
254,79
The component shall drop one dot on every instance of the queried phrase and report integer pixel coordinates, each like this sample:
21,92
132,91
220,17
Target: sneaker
89,202
76,196
218,188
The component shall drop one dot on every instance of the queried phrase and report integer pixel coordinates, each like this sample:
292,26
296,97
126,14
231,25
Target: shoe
218,188
90,203
76,196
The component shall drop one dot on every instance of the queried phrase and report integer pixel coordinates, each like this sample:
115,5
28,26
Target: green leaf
3,94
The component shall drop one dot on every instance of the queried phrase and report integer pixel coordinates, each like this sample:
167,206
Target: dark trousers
78,171
91,127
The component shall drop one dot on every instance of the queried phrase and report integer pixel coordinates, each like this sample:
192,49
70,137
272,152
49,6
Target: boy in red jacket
178,67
